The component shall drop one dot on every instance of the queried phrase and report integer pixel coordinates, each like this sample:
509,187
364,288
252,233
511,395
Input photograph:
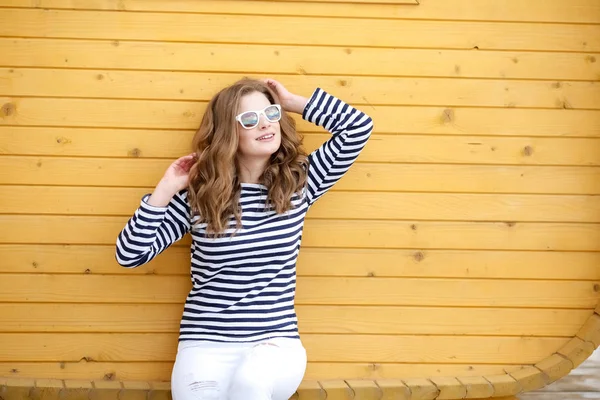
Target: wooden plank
450,388
160,391
378,90
25,229
577,351
161,371
164,318
476,387
361,177
590,332
469,149
365,389
530,378
134,143
50,383
311,390
305,60
320,31
338,205
579,380
505,10
337,389
17,388
393,389
321,348
391,234
504,384
422,389
67,288
555,367
162,114
313,291
93,259
446,263
48,388
106,384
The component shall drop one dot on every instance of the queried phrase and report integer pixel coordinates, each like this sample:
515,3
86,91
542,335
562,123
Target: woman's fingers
186,162
273,84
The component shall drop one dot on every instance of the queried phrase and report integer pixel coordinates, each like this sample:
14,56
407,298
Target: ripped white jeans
270,370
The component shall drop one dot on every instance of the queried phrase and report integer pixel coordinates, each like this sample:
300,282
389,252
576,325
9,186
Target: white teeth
265,137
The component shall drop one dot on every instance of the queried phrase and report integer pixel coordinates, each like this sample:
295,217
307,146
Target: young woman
243,195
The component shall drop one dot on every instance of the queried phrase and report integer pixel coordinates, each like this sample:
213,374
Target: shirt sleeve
151,230
350,129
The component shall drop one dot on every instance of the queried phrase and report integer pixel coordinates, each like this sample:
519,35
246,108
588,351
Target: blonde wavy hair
214,185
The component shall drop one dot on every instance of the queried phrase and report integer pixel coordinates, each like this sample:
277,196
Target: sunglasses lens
272,113
249,119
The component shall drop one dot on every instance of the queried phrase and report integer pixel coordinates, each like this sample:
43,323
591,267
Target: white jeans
270,370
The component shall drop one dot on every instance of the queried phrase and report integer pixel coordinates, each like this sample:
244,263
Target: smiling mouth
266,137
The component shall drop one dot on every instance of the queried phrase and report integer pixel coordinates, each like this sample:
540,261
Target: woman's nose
263,121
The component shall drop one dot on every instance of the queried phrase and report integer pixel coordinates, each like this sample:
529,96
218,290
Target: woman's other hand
175,179
289,101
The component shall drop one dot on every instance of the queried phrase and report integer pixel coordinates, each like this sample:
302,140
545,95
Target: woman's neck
250,171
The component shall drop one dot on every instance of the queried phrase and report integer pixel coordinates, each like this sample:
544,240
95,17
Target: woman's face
265,138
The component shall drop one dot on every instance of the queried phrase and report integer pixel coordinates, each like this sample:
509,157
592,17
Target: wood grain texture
23,229
405,148
314,261
340,319
457,259
164,114
321,31
370,91
505,10
338,205
366,177
155,347
311,290
304,60
161,371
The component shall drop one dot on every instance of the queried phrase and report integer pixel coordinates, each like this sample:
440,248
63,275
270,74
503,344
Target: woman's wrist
162,194
297,104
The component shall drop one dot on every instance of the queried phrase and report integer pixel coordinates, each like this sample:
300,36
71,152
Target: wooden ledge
504,386
419,389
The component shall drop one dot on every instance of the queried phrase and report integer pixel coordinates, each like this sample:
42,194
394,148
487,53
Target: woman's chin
267,149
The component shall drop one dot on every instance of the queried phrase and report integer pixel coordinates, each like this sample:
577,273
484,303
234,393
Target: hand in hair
289,101
176,178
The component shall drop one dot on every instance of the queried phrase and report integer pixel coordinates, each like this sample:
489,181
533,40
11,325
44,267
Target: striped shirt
243,287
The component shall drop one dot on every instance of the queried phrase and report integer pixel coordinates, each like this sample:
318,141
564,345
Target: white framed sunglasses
250,119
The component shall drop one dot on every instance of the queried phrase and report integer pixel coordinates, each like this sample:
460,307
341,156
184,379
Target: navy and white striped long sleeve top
243,287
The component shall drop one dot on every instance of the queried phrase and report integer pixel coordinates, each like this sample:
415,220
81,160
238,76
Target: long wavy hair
214,184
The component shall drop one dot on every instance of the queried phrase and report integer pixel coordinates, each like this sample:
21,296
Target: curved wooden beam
503,386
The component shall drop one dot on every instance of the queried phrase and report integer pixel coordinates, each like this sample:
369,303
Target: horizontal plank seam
166,129
333,190
186,246
468,47
355,103
470,221
126,275
295,74
283,15
300,274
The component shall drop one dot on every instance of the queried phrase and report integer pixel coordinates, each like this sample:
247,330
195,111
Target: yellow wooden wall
464,242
